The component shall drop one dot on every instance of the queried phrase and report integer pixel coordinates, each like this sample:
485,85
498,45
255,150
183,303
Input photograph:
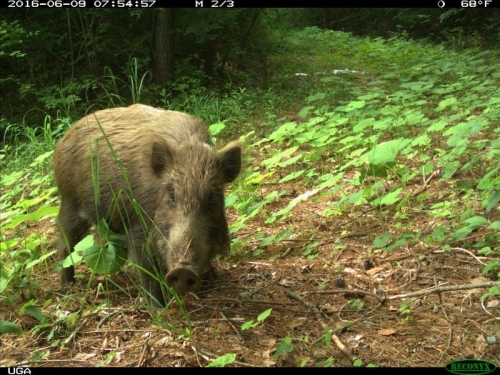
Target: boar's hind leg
72,228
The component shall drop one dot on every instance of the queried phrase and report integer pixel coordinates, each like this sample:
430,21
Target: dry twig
232,326
350,291
145,348
441,289
345,350
73,334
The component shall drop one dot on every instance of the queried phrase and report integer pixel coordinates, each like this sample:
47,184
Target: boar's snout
184,280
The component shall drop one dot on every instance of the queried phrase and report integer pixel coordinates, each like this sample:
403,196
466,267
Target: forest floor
308,297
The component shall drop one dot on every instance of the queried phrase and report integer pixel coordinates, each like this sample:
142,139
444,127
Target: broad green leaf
450,168
275,159
356,304
495,225
292,176
382,241
257,178
106,259
41,259
285,346
357,362
216,128
277,238
248,325
363,124
351,139
488,181
355,104
312,122
84,244
377,170
229,200
31,308
477,221
35,312
5,245
41,158
421,140
384,124
283,131
391,198
355,198
492,201
40,213
262,316
304,112
318,96
8,327
437,126
387,151
14,177
329,180
27,203
447,103
223,360
474,223
77,256
290,161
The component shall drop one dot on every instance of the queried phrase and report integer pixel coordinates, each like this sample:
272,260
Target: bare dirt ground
308,296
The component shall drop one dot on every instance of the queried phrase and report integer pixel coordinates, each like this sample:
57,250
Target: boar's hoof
184,280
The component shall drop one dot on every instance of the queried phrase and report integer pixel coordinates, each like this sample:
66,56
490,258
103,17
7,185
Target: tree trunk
163,47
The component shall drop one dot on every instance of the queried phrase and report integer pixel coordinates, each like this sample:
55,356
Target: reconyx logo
470,367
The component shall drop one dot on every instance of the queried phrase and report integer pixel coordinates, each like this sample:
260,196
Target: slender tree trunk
163,47
70,41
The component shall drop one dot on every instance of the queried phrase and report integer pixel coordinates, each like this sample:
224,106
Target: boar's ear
160,157
230,161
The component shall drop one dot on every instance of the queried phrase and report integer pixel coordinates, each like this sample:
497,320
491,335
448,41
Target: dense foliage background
68,61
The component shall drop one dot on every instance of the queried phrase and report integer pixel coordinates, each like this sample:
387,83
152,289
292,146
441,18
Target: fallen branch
144,350
441,289
426,182
463,250
73,334
232,326
350,291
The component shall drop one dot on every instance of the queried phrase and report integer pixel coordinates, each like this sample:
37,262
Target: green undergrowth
407,116
405,129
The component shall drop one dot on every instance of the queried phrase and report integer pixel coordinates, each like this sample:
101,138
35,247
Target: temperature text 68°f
475,3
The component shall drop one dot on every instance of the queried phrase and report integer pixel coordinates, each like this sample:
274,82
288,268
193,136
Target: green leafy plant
223,360
405,310
286,346
260,318
8,327
105,257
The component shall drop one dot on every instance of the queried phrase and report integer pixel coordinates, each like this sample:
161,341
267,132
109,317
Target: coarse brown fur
116,160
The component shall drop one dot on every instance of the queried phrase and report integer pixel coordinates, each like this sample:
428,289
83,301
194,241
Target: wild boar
155,177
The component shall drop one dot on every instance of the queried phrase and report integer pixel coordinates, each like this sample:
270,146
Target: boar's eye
171,194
